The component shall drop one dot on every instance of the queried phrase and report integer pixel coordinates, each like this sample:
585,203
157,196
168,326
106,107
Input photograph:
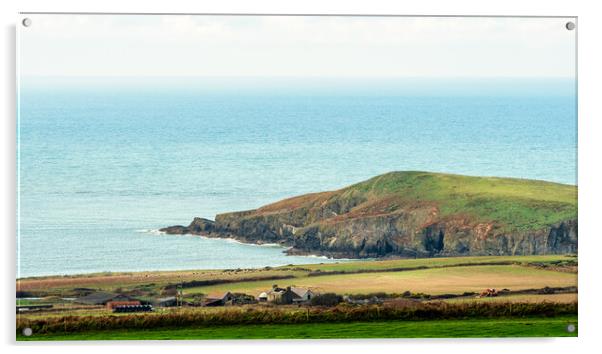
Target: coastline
410,214
289,249
309,256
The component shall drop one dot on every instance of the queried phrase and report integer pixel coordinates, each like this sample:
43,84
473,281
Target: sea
101,167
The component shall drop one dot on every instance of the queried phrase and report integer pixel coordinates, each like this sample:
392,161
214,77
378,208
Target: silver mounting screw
570,26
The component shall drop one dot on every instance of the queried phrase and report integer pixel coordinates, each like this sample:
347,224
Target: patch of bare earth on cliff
385,207
295,202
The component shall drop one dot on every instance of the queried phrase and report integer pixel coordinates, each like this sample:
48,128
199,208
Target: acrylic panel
286,176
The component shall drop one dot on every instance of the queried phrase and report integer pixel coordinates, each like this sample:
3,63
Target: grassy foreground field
523,327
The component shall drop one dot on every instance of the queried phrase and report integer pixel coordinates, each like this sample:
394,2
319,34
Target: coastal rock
412,214
198,226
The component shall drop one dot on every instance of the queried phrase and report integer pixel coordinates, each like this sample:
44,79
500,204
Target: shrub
379,295
327,299
169,292
546,290
21,294
208,282
241,298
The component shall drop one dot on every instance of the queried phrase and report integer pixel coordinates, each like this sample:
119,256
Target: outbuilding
219,300
263,297
169,301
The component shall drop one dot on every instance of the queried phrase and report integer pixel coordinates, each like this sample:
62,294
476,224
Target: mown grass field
522,327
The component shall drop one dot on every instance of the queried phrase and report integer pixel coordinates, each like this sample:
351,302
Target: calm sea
101,170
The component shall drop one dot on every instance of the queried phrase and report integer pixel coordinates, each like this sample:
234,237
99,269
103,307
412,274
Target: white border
589,167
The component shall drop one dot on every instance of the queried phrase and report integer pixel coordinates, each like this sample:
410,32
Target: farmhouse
304,294
281,295
101,298
288,295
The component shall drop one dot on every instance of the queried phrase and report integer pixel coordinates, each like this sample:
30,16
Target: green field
523,327
392,264
518,203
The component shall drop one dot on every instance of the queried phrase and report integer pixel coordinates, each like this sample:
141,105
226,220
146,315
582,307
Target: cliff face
413,214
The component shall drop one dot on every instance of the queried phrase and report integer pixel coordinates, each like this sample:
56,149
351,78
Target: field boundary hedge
254,315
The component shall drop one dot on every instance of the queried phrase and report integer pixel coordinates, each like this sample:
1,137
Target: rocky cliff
412,214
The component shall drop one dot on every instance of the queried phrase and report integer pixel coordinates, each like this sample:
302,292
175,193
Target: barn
219,300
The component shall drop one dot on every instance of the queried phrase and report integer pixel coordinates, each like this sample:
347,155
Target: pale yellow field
532,298
429,281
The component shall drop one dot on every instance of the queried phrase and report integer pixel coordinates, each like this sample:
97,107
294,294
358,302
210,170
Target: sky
278,46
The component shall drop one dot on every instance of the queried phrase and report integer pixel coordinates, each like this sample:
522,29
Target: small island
411,214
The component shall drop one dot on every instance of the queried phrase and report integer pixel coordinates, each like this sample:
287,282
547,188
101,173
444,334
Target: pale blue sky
119,45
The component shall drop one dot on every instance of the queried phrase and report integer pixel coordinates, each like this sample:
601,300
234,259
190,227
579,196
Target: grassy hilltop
413,214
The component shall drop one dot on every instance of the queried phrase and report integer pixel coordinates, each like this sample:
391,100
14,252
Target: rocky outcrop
198,226
354,223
